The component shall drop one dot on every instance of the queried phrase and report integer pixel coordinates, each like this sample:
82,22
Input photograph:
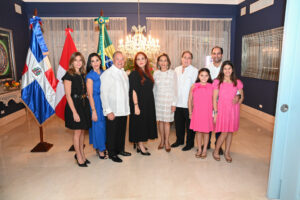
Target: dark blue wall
19,25
129,10
258,91
9,19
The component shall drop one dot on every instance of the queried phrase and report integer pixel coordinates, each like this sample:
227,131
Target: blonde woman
77,110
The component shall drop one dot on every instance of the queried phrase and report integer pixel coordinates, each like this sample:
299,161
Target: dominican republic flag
68,50
38,80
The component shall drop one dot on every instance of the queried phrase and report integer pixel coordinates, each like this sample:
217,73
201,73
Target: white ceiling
232,2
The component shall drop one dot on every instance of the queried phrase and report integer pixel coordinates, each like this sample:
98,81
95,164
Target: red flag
68,50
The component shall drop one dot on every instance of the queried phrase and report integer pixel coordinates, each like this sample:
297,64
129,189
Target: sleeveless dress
97,133
228,117
80,101
202,114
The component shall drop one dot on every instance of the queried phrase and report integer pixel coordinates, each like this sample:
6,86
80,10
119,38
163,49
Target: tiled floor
162,176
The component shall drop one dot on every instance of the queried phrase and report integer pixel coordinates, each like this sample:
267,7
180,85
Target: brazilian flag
105,47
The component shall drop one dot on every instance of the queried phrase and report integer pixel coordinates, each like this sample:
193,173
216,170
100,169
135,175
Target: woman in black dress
142,124
77,110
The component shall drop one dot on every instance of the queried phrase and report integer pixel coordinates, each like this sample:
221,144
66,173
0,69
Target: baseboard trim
259,117
11,117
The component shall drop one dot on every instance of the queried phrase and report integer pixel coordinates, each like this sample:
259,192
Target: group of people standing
200,101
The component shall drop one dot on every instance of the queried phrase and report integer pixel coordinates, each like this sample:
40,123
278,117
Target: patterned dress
165,94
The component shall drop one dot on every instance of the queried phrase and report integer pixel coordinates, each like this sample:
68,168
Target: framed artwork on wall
7,56
261,54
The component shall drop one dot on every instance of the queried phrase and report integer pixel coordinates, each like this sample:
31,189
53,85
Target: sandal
160,147
202,156
198,155
228,158
216,158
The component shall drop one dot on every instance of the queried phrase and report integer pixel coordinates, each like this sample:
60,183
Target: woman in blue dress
97,132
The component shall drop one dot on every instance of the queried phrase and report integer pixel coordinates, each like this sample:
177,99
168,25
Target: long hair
140,71
71,69
233,77
204,70
88,65
168,59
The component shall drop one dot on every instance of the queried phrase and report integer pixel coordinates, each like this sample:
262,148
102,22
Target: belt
76,96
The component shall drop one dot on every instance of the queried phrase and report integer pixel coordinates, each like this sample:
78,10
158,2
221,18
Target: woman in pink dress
226,110
200,109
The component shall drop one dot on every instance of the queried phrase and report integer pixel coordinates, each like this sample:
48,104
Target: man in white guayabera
186,77
115,104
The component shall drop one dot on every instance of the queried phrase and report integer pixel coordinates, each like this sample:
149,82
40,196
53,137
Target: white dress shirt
115,92
184,82
214,71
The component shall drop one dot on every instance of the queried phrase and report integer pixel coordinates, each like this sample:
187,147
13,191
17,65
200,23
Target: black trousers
217,136
115,135
182,124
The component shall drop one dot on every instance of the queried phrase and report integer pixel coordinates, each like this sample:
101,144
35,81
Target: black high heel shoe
135,146
138,150
87,161
80,165
102,157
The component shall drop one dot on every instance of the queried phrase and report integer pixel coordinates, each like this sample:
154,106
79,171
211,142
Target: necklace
83,88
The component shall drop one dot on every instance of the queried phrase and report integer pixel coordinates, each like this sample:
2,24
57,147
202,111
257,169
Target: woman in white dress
165,95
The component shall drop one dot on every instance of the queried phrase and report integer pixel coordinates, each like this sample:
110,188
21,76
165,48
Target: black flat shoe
176,144
138,150
80,165
124,153
115,159
187,148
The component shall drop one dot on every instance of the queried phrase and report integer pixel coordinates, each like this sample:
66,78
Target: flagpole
101,44
41,146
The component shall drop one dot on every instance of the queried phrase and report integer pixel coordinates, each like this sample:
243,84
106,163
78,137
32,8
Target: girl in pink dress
226,109
200,109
